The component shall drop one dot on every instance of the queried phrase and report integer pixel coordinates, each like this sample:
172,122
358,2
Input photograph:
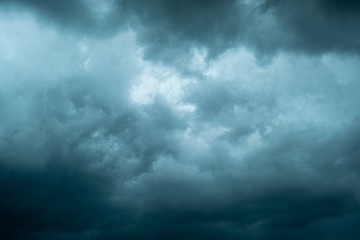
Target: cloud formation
174,28
105,135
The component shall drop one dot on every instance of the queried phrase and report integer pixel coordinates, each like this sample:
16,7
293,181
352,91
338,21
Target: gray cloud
107,138
172,28
169,30
318,26
86,17
66,12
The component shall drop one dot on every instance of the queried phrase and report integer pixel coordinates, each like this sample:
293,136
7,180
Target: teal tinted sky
162,119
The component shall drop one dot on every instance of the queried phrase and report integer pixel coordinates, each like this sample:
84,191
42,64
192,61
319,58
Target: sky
179,119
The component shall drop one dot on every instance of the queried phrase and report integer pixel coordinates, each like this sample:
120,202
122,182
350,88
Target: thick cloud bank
179,119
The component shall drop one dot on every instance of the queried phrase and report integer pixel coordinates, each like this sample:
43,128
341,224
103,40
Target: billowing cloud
268,27
105,135
318,26
174,28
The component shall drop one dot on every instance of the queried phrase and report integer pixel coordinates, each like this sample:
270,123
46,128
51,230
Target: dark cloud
341,7
317,26
98,142
177,26
169,30
68,200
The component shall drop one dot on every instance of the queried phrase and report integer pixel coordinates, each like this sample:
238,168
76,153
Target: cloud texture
179,119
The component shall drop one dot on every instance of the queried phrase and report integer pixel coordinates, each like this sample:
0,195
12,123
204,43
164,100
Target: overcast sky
179,119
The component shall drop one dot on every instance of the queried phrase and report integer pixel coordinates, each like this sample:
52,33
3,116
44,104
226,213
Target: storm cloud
179,119
173,28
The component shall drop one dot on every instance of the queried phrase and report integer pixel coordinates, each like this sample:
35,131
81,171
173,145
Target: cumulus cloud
174,28
105,135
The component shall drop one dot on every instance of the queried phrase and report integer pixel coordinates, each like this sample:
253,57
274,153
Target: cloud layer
179,119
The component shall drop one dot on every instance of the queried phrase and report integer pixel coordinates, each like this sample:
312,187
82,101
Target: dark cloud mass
158,119
168,28
319,26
